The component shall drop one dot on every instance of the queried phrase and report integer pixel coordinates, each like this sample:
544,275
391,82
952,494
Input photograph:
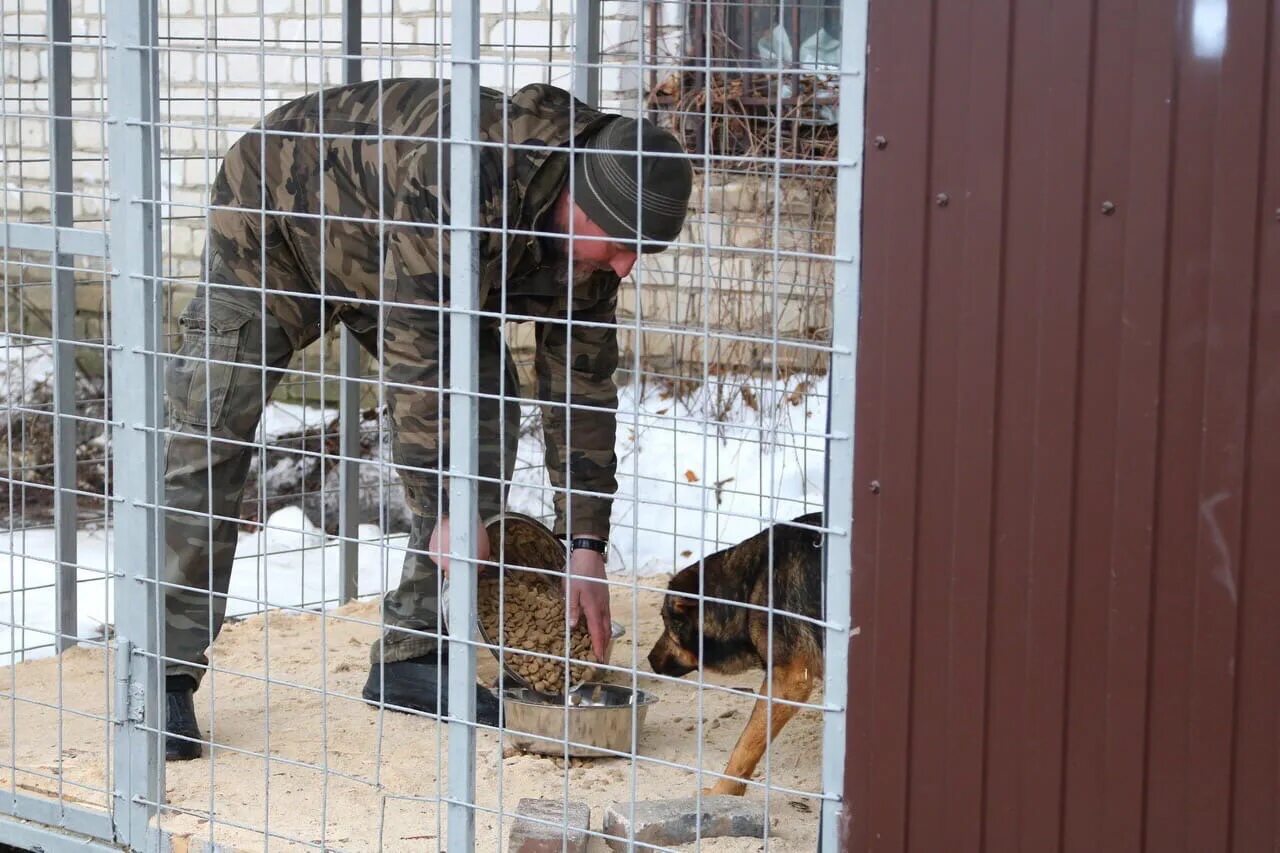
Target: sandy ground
386,771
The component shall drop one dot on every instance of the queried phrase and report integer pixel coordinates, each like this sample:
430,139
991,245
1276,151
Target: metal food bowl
600,718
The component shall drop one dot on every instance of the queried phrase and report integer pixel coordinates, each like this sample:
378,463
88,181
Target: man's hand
589,596
439,544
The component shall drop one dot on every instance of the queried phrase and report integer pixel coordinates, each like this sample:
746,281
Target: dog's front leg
793,682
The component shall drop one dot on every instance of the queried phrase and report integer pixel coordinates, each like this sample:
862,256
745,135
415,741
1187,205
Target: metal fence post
64,327
348,388
464,116
840,410
586,51
136,404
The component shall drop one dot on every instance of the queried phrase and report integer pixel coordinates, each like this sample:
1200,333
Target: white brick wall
84,64
618,33
25,65
433,29
33,134
411,7
272,49
202,87
27,24
256,7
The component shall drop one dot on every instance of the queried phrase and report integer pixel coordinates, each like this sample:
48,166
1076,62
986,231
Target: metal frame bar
52,239
64,327
349,368
47,836
138,776
840,411
55,815
464,326
586,51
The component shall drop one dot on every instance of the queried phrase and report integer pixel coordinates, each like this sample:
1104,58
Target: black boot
416,683
180,720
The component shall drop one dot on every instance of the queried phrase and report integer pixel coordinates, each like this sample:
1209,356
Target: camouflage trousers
229,362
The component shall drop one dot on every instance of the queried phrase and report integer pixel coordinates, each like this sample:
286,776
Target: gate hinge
131,695
137,703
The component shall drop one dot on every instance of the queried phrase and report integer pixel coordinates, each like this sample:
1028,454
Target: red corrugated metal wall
1067,477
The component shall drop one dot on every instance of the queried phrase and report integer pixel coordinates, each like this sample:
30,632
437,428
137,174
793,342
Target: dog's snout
659,655
668,657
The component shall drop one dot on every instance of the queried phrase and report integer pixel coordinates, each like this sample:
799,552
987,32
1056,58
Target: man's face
593,249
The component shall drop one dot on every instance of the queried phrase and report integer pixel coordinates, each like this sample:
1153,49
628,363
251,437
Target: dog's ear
684,593
685,582
684,605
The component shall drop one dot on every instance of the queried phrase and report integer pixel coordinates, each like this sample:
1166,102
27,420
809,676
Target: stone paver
667,823
539,827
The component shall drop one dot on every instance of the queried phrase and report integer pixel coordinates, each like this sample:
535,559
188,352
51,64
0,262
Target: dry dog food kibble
533,612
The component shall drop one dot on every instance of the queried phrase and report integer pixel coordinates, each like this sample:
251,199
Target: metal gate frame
138,771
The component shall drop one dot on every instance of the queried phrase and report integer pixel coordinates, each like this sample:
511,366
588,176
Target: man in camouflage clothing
330,211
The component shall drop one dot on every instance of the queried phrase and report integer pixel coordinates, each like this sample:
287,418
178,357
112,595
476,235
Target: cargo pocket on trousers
201,374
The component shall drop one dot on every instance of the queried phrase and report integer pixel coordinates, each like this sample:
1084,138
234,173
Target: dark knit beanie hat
605,183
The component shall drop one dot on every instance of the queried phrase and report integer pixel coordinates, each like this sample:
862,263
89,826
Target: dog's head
675,653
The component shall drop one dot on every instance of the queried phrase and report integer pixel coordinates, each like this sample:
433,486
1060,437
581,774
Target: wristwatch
600,546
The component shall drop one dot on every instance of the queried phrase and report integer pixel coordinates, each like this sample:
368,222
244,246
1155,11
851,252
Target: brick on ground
666,823
531,833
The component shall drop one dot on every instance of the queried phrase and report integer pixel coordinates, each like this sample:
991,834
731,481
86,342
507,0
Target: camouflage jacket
378,246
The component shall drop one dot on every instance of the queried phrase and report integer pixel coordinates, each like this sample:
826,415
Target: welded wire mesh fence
302,295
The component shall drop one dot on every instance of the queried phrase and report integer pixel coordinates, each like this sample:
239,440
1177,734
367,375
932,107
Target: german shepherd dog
734,639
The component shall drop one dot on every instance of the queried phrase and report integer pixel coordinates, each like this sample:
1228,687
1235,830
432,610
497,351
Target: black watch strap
597,545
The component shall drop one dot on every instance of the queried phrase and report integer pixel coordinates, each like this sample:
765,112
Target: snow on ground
694,476
290,563
23,366
285,418
691,482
